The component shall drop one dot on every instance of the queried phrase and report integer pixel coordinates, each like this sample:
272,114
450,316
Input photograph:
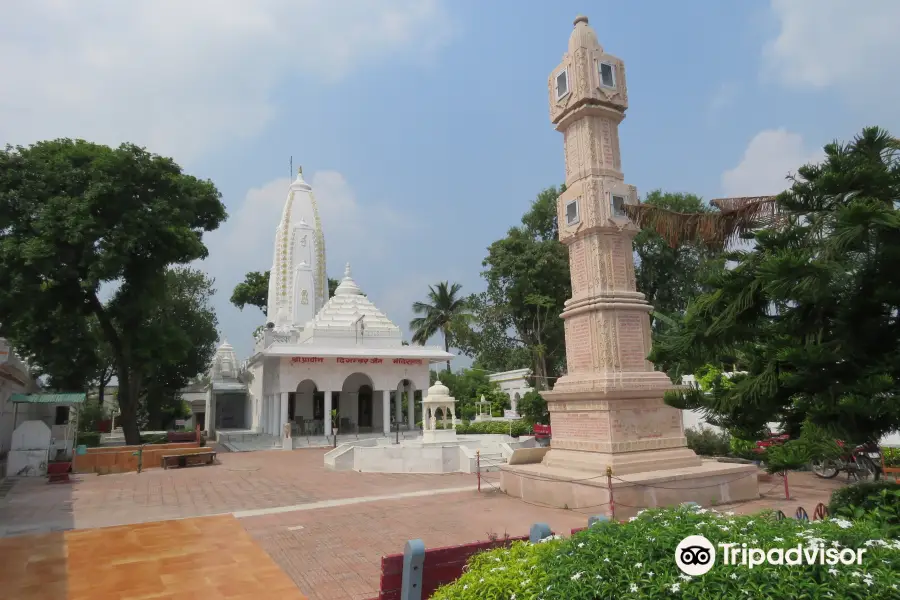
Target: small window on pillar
618,206
573,215
562,83
607,75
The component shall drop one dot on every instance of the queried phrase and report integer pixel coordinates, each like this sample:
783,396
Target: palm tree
446,306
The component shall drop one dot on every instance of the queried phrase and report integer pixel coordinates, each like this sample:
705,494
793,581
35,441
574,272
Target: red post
197,430
787,493
478,467
612,503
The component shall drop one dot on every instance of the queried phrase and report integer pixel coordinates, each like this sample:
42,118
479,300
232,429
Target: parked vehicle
862,462
772,440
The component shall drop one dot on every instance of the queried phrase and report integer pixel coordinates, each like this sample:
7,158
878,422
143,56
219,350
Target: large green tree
811,311
669,275
186,326
444,310
76,217
527,275
254,290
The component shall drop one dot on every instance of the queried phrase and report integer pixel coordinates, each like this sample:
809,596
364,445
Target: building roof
350,310
48,398
430,353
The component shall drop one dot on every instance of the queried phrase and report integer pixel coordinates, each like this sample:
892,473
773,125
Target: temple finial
347,271
300,171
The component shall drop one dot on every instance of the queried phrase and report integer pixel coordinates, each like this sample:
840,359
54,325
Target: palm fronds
714,230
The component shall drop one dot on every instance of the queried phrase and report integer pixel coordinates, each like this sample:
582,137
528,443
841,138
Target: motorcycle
862,462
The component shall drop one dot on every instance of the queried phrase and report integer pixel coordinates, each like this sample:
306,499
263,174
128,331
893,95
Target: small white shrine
317,354
438,399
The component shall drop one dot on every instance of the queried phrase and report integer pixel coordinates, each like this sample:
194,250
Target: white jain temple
316,354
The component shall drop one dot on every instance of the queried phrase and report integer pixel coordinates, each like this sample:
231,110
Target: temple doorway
365,407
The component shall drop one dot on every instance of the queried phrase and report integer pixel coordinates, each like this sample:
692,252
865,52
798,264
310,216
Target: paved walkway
243,481
327,530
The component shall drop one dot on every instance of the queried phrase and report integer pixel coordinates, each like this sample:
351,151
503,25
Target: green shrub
742,448
518,428
706,441
891,457
635,560
865,495
154,438
91,439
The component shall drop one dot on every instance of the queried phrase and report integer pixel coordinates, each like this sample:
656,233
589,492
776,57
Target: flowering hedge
636,560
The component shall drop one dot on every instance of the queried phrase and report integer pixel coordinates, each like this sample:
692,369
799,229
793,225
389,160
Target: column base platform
707,484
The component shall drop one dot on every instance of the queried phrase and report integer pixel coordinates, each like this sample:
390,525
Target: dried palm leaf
714,230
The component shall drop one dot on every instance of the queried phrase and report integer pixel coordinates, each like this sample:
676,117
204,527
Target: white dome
438,389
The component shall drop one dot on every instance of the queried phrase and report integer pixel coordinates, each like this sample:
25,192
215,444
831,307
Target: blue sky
423,125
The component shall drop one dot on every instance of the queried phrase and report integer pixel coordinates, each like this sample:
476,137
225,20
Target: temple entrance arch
356,410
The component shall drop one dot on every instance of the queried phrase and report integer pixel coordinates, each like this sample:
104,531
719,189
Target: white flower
733,576
597,577
497,559
856,574
685,577
723,527
730,513
481,580
605,560
525,582
651,573
512,597
675,587
833,571
842,523
633,587
465,587
701,511
576,576
638,565
581,544
630,519
871,543
653,539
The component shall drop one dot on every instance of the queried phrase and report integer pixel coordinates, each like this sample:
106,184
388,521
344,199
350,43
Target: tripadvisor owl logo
695,555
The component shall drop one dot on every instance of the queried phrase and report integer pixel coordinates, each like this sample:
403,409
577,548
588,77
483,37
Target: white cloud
182,77
852,47
770,156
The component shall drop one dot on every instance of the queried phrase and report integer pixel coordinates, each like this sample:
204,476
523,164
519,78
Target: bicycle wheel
826,469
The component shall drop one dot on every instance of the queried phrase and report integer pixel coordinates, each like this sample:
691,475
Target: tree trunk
128,409
446,347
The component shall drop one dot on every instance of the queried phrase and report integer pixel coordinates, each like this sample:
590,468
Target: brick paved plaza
326,530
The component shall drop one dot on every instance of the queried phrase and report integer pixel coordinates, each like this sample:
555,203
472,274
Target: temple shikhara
607,412
317,354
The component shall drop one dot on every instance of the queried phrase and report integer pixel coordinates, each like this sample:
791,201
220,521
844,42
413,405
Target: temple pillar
411,410
398,407
328,413
386,412
210,413
285,400
607,411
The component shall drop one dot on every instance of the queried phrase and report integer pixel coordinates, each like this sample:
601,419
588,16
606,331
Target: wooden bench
174,437
188,460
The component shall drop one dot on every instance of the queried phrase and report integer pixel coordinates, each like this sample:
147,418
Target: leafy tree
185,325
489,338
533,408
254,290
527,275
77,216
811,310
467,386
670,275
445,309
